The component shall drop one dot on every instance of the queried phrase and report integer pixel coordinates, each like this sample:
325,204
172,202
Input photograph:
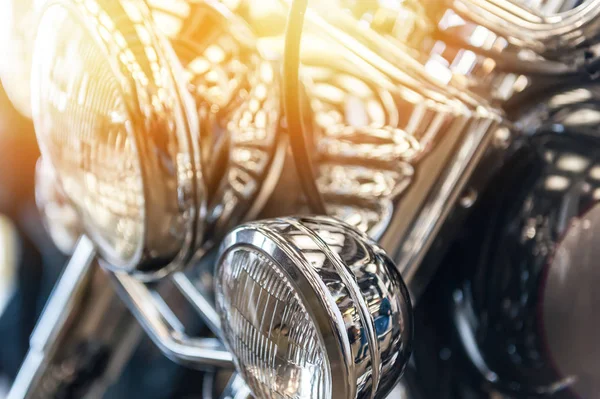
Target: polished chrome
237,95
371,122
553,33
83,338
397,101
199,301
353,294
237,389
236,149
393,147
113,118
162,327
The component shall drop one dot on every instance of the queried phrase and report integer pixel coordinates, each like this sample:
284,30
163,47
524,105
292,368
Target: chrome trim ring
237,95
351,289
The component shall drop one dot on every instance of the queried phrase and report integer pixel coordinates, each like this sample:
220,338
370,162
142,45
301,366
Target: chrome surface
166,331
549,31
237,95
199,300
395,104
83,338
237,389
374,126
432,40
114,120
353,294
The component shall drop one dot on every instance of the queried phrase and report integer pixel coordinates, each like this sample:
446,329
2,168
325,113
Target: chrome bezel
352,375
237,193
170,115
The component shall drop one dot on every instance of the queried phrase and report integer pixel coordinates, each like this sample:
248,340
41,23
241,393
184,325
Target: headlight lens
308,302
114,123
85,129
281,346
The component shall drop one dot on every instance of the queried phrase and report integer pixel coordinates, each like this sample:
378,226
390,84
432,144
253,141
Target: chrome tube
164,329
86,333
83,338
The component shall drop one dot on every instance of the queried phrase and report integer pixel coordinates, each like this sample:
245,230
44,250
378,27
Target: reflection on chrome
237,96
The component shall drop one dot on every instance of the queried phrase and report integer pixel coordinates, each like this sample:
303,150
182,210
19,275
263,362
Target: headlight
115,126
308,303
18,20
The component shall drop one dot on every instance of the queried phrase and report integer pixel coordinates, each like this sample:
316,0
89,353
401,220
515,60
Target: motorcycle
343,192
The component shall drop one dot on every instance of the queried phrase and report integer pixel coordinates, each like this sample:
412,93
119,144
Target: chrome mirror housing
311,308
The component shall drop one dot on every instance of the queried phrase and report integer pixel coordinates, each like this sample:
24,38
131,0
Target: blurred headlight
111,120
18,19
309,302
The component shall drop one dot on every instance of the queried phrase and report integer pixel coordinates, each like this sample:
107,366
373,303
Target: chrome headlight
18,20
116,126
311,302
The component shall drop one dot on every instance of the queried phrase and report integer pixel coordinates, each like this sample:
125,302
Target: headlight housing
309,302
238,99
117,128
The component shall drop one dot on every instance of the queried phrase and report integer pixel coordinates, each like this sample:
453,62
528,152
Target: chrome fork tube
83,338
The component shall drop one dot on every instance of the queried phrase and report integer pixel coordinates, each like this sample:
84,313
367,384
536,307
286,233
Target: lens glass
278,349
83,128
